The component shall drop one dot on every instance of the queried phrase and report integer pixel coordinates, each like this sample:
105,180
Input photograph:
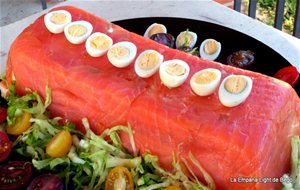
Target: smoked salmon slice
249,141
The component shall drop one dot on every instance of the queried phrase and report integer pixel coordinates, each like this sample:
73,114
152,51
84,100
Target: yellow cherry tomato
173,187
60,144
119,178
21,125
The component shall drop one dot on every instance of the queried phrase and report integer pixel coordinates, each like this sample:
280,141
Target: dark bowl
267,60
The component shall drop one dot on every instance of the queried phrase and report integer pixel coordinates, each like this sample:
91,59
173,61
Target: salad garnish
90,160
292,181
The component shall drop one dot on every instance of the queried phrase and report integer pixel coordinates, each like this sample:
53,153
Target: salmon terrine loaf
250,140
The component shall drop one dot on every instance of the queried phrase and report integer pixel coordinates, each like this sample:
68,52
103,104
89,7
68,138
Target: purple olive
163,38
241,59
46,182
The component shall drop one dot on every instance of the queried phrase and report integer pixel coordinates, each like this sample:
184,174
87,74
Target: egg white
206,88
149,72
146,34
56,28
173,81
124,62
78,39
194,36
229,99
93,51
207,56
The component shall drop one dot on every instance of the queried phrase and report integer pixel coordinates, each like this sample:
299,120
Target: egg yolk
158,28
118,52
77,30
235,85
148,60
100,42
205,77
58,18
175,69
210,47
186,39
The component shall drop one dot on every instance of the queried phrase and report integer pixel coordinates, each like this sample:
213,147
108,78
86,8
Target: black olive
242,59
163,38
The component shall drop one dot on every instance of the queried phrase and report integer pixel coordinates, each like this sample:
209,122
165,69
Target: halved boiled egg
148,63
155,28
121,54
234,90
97,44
206,81
77,32
186,39
210,49
56,21
174,72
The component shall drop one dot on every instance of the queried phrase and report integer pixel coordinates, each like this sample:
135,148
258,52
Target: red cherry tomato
2,115
14,175
63,122
46,182
5,146
288,74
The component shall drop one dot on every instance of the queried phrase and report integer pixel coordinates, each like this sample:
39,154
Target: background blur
14,10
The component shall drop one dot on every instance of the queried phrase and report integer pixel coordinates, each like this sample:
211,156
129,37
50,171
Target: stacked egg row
233,90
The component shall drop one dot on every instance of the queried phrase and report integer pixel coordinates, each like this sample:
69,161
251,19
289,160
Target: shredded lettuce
194,51
292,181
184,41
91,156
31,103
50,162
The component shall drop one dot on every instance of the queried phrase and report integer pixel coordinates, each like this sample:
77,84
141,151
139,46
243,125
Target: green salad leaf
31,103
292,181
